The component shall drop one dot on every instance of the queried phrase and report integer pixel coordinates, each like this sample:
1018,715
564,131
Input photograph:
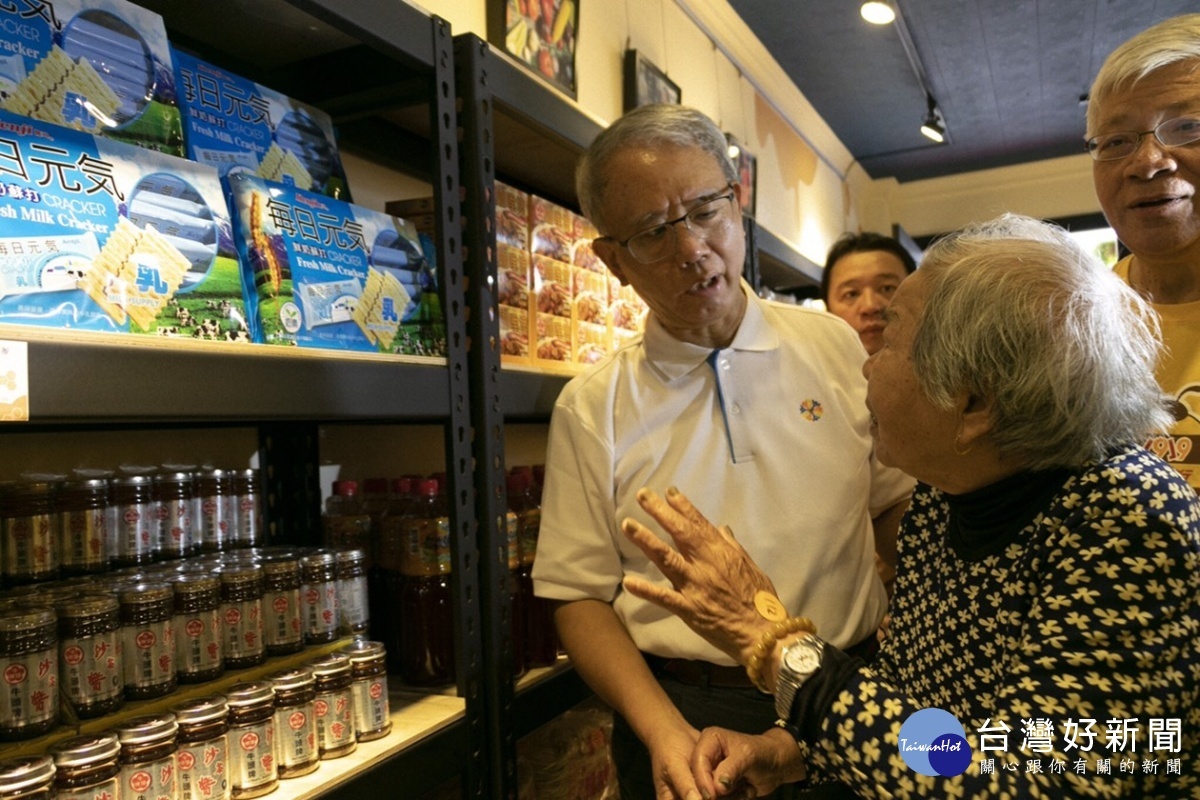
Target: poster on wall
541,34
646,83
747,169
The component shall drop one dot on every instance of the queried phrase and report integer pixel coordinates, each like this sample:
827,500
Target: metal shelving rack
393,94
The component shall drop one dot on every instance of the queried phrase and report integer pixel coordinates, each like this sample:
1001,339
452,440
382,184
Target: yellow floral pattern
1092,613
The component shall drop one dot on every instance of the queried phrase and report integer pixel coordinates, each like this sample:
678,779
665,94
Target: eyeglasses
1119,144
707,220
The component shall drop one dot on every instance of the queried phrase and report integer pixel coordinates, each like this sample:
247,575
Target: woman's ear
975,420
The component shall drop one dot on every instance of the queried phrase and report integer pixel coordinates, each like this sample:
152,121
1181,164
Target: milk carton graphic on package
98,66
323,273
103,236
236,125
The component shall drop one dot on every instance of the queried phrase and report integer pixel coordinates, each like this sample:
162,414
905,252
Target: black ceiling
1007,74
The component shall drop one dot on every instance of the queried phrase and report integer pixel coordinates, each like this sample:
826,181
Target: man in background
861,274
1143,132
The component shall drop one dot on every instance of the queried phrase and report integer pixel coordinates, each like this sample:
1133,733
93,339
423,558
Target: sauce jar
334,705
283,631
368,666
82,507
173,511
241,615
199,653
28,778
296,721
353,610
88,767
247,491
89,654
252,767
29,667
148,757
148,639
203,754
214,487
318,576
137,525
29,530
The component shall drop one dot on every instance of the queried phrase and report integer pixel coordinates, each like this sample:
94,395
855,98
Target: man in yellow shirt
1143,126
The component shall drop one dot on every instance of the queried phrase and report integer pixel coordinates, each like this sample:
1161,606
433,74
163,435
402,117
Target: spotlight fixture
933,127
878,13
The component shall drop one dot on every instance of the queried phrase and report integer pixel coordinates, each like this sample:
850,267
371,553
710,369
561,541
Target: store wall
808,190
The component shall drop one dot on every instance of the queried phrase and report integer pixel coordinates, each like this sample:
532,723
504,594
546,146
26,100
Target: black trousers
744,710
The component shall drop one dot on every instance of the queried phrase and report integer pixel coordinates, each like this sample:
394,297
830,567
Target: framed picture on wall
747,170
646,83
541,34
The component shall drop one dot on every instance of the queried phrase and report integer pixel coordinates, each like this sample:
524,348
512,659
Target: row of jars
137,635
221,747
52,526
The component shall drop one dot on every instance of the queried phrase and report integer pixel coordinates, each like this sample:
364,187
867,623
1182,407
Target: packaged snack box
512,216
103,236
324,273
236,125
100,66
551,229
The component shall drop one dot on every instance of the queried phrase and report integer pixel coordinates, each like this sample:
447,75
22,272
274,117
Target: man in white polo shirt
753,409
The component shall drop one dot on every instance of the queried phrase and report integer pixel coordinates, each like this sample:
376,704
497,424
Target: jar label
83,538
252,755
91,668
202,770
149,654
31,549
175,526
282,624
242,630
371,710
198,641
335,719
320,608
214,523
154,781
137,531
296,727
249,521
30,689
352,603
108,790
427,546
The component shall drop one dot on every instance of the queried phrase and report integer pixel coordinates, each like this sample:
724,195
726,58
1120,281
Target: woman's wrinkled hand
714,578
741,765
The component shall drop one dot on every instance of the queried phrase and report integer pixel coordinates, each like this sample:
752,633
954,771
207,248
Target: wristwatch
800,661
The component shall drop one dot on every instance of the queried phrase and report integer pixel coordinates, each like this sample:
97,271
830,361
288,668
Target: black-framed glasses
1120,144
711,218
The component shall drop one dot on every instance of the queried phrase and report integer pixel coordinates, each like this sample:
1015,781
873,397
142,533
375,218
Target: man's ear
609,251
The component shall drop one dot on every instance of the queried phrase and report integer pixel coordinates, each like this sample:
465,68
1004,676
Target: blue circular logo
933,742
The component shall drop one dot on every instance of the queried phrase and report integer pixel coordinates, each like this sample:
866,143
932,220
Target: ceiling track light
934,127
878,13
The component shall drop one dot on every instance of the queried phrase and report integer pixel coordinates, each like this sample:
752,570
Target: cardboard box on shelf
234,124
512,216
100,235
514,335
324,273
551,229
99,66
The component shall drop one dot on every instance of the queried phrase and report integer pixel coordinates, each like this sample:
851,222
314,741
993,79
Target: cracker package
99,66
590,338
104,236
237,125
551,229
513,296
582,253
328,274
512,216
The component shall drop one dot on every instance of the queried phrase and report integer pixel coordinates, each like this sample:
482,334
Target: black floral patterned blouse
1092,614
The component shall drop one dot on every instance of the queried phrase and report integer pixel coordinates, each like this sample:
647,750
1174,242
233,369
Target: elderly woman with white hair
1046,617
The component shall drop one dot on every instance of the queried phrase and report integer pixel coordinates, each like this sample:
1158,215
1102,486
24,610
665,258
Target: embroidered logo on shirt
811,410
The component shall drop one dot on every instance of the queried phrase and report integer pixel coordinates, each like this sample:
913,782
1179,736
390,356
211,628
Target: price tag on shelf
14,382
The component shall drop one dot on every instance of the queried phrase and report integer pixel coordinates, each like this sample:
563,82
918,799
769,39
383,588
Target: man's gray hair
1017,311
1169,42
655,125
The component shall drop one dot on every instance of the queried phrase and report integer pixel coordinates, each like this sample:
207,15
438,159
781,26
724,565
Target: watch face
802,658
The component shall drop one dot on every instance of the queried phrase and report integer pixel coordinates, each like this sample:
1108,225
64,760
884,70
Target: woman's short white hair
1018,312
1169,42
